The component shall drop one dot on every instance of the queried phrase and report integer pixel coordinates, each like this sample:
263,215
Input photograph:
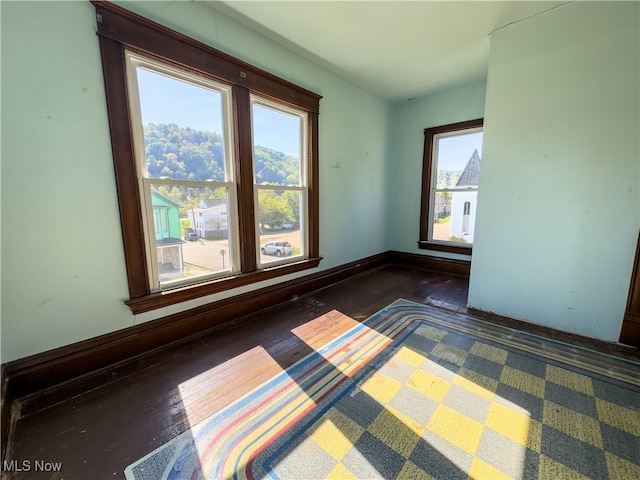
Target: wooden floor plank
322,330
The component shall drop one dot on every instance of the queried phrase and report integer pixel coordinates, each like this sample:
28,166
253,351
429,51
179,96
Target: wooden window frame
427,171
118,30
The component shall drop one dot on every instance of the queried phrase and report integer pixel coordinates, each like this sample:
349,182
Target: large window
450,178
215,162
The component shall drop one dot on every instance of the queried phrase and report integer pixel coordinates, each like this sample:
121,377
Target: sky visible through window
167,100
454,152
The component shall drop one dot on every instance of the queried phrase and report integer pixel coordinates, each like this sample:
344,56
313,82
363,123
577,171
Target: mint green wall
63,276
411,118
559,208
561,136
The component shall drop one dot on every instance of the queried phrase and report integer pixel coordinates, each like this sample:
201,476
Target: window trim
427,172
119,30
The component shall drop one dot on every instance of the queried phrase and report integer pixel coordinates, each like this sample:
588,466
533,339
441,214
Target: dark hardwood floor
99,424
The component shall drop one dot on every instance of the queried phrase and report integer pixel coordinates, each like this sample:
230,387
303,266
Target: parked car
190,235
277,248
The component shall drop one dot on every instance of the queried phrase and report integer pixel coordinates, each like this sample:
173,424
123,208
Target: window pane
457,165
277,146
183,128
196,240
454,222
279,224
442,216
455,155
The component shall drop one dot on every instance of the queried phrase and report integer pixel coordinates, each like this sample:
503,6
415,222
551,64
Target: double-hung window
216,164
450,180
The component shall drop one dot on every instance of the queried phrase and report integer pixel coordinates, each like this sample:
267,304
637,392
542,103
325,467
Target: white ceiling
396,50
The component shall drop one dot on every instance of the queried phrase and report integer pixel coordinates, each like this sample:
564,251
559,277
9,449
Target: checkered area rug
418,393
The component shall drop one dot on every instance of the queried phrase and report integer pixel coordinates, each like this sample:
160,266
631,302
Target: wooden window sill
441,247
157,300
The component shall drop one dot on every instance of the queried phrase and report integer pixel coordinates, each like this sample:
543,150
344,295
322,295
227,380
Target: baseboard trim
37,372
5,410
47,369
450,266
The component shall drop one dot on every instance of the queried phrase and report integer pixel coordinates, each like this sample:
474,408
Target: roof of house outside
471,173
155,195
215,210
168,241
211,202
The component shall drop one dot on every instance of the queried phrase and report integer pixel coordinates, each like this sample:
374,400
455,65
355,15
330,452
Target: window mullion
244,176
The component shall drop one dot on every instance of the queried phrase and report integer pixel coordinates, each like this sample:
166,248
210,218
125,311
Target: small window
450,182
466,218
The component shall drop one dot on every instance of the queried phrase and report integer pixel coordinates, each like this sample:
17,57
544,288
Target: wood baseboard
5,410
461,268
43,370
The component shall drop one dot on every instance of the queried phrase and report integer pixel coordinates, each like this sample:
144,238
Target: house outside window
169,253
231,149
450,182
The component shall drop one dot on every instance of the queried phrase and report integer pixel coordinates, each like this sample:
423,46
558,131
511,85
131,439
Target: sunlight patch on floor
214,389
365,342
